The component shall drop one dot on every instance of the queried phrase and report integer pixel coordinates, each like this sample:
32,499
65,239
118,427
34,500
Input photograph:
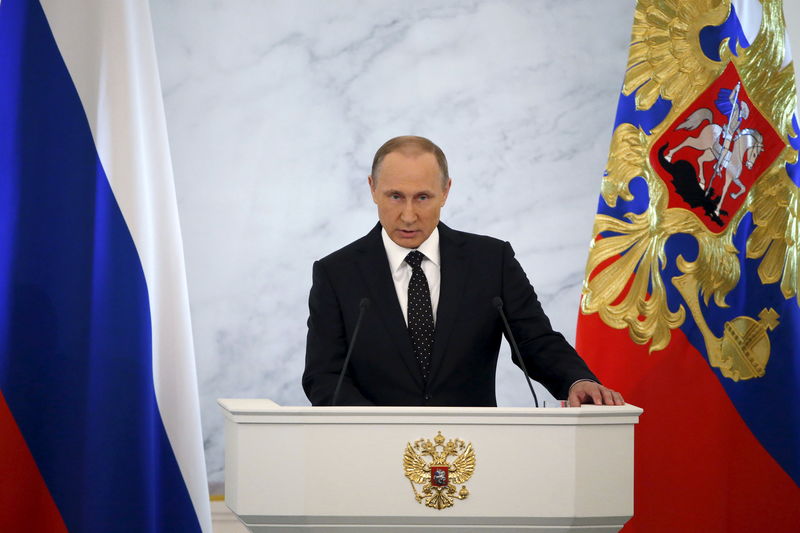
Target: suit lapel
374,267
454,272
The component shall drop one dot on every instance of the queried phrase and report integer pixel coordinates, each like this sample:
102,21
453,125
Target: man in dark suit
432,333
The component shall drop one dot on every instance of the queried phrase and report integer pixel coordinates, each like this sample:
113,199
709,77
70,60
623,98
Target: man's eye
395,197
423,196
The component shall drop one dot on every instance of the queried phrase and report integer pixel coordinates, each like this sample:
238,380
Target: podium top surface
264,411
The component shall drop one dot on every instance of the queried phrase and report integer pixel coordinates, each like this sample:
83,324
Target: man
432,333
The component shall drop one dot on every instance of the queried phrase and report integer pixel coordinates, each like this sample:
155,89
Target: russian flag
99,417
690,301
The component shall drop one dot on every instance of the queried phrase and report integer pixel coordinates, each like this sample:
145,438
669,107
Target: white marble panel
275,109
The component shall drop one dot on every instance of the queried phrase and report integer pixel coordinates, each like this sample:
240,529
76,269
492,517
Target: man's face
409,194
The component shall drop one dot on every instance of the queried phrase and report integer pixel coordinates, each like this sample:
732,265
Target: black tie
420,313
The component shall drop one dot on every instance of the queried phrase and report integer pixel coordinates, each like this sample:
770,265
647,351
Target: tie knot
415,259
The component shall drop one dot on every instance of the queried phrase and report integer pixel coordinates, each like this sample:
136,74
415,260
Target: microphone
498,303
363,305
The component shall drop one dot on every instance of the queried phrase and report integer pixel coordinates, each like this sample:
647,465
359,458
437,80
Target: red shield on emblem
439,476
714,152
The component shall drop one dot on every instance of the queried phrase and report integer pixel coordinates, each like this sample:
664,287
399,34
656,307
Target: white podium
341,469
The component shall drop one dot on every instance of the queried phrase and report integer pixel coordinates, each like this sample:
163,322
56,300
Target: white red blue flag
99,418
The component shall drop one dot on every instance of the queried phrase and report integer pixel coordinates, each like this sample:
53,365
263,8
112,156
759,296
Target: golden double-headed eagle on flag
720,153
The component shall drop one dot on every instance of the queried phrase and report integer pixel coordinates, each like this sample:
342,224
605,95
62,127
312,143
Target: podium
342,469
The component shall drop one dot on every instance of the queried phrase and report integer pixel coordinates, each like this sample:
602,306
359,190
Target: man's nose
408,215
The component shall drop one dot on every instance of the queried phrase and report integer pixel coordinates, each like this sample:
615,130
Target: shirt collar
397,254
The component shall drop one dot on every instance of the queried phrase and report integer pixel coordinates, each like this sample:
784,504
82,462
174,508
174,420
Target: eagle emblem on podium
426,463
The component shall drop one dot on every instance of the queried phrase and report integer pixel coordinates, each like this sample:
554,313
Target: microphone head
497,302
364,303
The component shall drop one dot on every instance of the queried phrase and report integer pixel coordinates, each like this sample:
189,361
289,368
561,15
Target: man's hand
591,392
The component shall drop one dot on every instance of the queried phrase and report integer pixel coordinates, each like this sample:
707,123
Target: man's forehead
409,183
412,163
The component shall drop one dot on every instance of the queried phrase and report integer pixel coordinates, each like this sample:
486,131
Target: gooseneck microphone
498,303
363,305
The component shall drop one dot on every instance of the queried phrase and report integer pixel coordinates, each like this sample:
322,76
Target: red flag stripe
25,502
698,466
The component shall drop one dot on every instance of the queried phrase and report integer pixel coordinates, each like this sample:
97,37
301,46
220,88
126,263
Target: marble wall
275,109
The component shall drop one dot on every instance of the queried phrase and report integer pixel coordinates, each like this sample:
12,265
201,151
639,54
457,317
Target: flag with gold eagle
691,301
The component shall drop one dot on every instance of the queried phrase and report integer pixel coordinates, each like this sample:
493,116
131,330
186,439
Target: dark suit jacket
383,370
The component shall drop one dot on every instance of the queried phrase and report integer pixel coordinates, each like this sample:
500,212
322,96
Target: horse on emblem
739,150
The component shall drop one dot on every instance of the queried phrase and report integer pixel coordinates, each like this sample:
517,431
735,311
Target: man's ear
372,188
446,191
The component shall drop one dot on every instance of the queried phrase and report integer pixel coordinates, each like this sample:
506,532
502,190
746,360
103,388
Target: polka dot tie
420,313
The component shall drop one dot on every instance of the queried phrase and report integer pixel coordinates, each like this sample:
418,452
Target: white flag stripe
109,51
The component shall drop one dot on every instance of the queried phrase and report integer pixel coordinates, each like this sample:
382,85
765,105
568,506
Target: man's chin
408,239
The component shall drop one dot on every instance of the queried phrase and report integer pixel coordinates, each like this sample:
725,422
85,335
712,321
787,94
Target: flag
690,299
99,417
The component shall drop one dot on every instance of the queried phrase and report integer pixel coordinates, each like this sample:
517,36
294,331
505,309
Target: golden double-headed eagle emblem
742,104
426,463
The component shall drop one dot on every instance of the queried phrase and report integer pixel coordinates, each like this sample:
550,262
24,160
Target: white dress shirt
401,271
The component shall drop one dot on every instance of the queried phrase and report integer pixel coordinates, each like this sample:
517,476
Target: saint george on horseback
730,148
729,105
